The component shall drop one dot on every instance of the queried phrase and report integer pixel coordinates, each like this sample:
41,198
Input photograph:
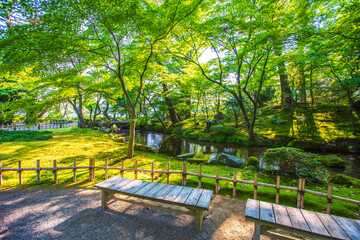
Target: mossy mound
178,131
252,161
331,161
344,180
116,138
307,144
171,145
196,160
143,148
24,136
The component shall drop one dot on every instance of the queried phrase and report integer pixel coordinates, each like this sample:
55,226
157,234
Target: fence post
277,189
200,173
0,174
20,173
55,172
106,169
136,170
234,184
38,177
255,186
184,174
122,168
91,169
74,171
152,171
167,172
329,199
217,182
302,193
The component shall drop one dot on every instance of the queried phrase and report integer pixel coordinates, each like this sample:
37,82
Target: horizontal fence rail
39,126
122,169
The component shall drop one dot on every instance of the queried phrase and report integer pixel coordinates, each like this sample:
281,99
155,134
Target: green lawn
83,144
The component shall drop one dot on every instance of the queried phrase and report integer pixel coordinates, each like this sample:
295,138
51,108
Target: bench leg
104,199
257,231
199,216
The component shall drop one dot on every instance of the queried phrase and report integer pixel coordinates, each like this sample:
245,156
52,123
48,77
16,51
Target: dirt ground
74,213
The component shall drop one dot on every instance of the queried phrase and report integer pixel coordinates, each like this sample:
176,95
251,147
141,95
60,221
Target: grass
83,144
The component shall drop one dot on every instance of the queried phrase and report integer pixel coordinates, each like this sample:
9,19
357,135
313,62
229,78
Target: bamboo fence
184,173
39,126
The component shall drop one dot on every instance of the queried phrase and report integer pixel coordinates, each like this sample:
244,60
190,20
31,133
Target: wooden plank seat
193,201
268,216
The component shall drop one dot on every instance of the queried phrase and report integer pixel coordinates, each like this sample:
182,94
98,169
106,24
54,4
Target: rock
186,155
252,161
344,180
228,160
143,148
171,145
178,131
331,161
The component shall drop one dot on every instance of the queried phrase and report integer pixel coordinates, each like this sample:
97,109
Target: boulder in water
171,145
227,159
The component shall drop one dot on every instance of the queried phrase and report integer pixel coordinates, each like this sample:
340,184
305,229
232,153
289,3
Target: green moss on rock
344,180
331,161
252,161
143,148
171,145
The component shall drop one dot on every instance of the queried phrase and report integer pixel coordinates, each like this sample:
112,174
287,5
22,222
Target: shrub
219,116
116,138
11,136
344,180
187,132
295,162
223,130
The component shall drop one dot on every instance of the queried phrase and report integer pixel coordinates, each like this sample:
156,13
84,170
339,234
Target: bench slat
145,189
252,209
163,192
314,223
110,182
154,190
297,219
194,196
183,195
331,225
136,188
204,199
267,212
117,185
129,186
173,193
356,223
281,215
351,230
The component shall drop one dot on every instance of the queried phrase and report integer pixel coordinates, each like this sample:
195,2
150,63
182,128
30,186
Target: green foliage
11,136
227,131
277,121
178,131
187,133
331,161
295,163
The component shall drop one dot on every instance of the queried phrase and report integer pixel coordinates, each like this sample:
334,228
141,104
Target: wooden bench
194,201
269,216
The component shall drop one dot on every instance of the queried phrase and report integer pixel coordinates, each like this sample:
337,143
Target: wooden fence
300,189
39,126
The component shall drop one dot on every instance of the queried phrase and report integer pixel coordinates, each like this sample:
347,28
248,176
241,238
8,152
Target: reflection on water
206,149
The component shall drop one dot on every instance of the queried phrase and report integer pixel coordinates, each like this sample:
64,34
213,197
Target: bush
187,132
116,138
331,161
295,162
223,130
11,136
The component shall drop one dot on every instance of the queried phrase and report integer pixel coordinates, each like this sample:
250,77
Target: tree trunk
302,86
130,153
105,112
310,88
286,95
172,113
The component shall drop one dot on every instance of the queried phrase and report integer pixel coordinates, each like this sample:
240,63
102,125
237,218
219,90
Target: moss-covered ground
83,144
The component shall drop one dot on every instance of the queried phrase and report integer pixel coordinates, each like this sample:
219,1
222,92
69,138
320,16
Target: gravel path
75,213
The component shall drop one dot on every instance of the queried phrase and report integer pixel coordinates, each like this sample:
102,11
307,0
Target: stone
252,161
331,161
228,160
186,155
143,148
171,145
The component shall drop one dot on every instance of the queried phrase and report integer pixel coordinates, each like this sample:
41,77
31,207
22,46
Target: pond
207,149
